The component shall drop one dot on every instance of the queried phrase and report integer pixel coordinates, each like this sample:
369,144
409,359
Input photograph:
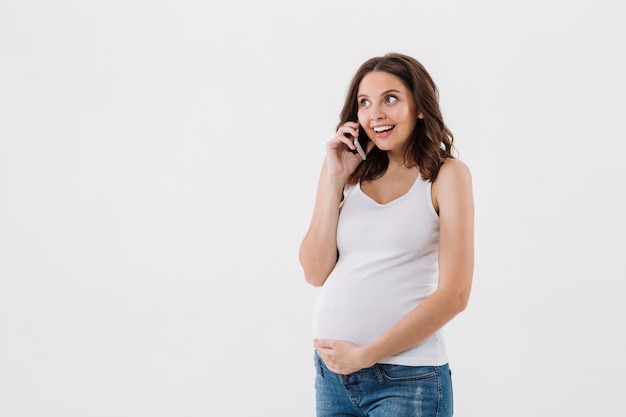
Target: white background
158,164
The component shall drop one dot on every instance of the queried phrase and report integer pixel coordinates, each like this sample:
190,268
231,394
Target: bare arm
452,194
318,251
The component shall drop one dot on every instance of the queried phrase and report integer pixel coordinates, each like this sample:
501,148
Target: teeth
379,129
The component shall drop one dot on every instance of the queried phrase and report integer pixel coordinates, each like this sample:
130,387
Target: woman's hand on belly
342,357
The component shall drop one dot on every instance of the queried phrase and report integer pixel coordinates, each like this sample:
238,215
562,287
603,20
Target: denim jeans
384,390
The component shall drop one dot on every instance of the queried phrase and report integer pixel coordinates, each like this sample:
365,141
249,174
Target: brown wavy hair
431,141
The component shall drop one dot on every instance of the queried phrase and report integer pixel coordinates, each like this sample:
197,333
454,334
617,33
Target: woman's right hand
340,160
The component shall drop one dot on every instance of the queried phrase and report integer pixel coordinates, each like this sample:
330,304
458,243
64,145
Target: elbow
316,268
314,273
455,301
455,292
462,305
460,301
316,280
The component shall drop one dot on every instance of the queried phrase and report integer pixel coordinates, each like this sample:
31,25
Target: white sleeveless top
387,265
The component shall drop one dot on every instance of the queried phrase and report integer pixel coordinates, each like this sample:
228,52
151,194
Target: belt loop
379,374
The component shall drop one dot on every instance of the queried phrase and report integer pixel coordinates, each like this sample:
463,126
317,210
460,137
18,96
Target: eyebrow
384,93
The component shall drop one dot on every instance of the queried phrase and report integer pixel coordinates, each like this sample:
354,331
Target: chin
384,146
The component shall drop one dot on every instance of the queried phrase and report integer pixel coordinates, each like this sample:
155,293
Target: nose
376,113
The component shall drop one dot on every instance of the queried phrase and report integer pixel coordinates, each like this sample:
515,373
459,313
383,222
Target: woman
391,244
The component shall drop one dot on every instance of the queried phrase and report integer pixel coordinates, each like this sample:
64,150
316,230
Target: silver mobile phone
361,143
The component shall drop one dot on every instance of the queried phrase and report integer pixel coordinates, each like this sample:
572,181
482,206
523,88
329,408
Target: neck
396,159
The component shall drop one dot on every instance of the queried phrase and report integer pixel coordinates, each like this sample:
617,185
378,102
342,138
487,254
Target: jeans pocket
407,373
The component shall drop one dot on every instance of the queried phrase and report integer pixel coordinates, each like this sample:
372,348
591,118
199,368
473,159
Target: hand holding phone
361,143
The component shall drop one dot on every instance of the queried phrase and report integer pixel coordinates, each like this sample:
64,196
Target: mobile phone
361,143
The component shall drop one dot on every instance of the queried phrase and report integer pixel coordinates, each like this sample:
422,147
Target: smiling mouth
383,129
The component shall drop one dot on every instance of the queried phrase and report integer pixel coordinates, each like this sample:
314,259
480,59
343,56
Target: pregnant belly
360,311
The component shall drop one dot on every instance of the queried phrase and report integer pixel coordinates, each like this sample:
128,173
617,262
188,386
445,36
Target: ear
420,115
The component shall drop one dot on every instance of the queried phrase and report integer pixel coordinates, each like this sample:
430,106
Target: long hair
430,142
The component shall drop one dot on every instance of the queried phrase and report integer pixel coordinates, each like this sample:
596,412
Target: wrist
336,178
333,185
369,355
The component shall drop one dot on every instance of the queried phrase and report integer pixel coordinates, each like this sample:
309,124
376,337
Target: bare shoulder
453,168
453,182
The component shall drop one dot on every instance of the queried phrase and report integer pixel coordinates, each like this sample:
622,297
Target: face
387,111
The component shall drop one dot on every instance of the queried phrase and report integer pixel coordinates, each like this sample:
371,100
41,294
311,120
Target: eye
391,99
364,102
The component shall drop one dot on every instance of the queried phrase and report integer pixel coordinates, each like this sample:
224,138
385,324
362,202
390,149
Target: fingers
346,134
328,356
332,362
324,349
341,153
323,343
331,357
349,128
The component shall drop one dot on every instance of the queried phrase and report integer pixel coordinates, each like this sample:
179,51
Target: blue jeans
383,391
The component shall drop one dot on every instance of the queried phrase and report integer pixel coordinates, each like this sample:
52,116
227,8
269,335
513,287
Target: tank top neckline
401,197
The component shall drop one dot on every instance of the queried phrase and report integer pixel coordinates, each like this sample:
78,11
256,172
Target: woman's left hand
342,357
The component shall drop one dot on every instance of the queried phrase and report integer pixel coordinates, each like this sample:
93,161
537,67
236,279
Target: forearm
318,251
421,323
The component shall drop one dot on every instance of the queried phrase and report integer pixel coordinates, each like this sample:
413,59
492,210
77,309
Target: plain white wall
158,164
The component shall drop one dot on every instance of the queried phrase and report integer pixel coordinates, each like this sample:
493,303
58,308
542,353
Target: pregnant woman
391,243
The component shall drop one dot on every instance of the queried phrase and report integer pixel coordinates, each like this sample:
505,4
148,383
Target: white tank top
387,265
